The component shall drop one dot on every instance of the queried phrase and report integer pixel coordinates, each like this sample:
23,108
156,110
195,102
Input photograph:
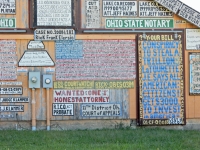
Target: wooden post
33,111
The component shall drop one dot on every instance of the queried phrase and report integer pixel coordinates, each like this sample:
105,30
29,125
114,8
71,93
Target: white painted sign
35,45
11,90
14,99
190,15
7,7
10,83
192,39
22,70
11,108
92,15
153,9
49,70
36,58
6,116
119,8
54,34
54,13
63,109
101,110
81,96
172,5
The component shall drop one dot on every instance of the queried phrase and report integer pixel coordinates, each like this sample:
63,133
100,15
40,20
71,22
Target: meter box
34,80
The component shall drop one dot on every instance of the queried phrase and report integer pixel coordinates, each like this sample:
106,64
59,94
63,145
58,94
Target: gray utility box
34,80
47,81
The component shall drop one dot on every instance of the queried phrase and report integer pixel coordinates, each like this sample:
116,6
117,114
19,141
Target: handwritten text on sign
7,7
139,23
172,5
103,60
161,80
7,23
63,109
36,58
153,9
8,60
190,15
81,96
14,99
192,39
54,13
54,34
69,49
101,110
119,8
92,13
194,59
11,108
119,84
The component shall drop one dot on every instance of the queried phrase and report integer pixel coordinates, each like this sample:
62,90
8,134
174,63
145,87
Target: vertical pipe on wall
33,111
48,116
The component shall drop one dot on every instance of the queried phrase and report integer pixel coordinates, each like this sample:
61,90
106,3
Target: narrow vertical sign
161,95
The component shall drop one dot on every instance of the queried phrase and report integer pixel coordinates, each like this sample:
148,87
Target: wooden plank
132,101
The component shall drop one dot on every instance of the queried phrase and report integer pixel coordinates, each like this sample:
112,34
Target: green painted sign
7,23
139,23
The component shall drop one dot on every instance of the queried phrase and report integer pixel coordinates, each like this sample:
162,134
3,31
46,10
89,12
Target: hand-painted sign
10,83
103,60
81,96
92,17
192,39
63,109
11,90
69,49
172,5
153,9
35,45
6,116
36,58
101,110
7,22
119,8
161,82
14,99
7,7
139,23
190,15
194,59
8,60
11,108
118,84
54,13
54,34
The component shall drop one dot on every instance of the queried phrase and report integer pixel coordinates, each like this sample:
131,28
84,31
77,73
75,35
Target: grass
105,139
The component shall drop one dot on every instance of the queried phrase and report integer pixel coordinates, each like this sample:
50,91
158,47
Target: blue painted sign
72,49
161,96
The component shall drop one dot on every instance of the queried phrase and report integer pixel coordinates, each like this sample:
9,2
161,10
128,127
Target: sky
195,4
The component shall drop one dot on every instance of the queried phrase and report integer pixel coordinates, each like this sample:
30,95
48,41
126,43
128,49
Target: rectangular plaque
14,99
101,110
63,109
11,108
92,14
119,8
194,61
153,9
193,39
190,15
161,82
11,90
81,96
139,23
8,60
118,84
54,13
7,7
172,5
54,34
103,60
7,23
